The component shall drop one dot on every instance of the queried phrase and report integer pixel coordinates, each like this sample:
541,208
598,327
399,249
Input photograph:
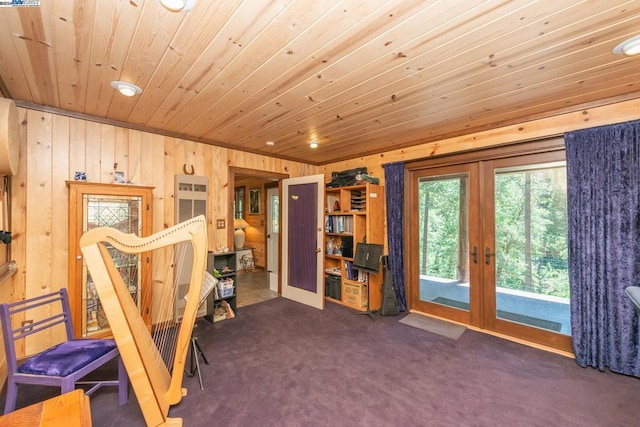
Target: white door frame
273,240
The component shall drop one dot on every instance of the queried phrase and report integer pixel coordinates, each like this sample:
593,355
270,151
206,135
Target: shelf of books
353,214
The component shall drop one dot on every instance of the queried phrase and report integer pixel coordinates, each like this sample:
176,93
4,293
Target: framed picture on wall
119,177
254,201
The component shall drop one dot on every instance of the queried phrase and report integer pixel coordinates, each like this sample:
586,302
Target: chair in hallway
62,365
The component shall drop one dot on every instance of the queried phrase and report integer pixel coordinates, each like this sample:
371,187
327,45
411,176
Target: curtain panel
394,196
603,193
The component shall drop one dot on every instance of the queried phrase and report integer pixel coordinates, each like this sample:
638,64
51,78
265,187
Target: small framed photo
254,201
119,177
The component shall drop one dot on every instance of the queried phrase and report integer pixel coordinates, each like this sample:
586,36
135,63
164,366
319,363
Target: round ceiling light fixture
313,143
270,143
127,89
628,47
178,5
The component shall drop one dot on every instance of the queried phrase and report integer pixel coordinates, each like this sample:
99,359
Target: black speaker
332,287
347,246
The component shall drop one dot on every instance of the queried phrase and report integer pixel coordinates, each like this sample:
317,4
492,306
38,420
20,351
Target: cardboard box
355,295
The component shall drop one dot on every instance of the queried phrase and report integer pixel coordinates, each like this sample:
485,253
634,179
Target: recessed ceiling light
127,89
313,144
270,143
628,47
177,5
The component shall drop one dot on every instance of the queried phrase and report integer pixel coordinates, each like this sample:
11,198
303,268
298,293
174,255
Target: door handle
318,250
474,254
487,255
268,236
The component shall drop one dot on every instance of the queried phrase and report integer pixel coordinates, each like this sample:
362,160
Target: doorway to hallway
253,287
253,284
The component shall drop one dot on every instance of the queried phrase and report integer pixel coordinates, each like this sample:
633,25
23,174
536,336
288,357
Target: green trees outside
439,222
531,231
530,223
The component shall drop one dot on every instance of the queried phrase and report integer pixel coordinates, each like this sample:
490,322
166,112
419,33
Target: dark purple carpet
279,363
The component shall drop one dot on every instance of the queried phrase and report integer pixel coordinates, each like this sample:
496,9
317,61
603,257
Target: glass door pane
274,218
531,276
124,214
443,248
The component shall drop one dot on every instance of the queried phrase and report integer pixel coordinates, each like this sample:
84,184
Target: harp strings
170,300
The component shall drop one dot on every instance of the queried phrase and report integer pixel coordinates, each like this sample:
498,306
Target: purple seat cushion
67,357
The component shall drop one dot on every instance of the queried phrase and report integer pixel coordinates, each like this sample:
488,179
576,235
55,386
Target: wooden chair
62,365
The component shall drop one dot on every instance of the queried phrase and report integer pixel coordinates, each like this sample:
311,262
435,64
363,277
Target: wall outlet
220,223
25,323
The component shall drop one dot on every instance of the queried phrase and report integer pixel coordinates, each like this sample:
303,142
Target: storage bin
225,288
332,285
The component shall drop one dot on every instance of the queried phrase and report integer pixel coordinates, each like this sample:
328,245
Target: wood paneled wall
537,129
53,147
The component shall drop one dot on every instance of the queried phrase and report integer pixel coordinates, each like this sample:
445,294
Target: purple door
302,241
301,233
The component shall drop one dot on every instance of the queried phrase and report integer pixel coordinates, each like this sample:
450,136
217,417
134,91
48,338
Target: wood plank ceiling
357,76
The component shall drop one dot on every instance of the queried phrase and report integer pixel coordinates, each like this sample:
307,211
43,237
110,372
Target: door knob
487,255
474,254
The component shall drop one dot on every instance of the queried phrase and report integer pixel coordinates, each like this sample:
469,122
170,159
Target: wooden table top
68,410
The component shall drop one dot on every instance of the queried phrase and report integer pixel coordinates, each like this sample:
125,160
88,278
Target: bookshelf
225,263
353,214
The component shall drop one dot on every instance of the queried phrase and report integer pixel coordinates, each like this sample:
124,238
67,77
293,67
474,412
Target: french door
491,244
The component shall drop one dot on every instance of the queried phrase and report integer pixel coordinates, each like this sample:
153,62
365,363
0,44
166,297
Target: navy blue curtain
603,193
394,196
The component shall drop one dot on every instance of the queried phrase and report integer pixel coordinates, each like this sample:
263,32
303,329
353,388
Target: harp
155,373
